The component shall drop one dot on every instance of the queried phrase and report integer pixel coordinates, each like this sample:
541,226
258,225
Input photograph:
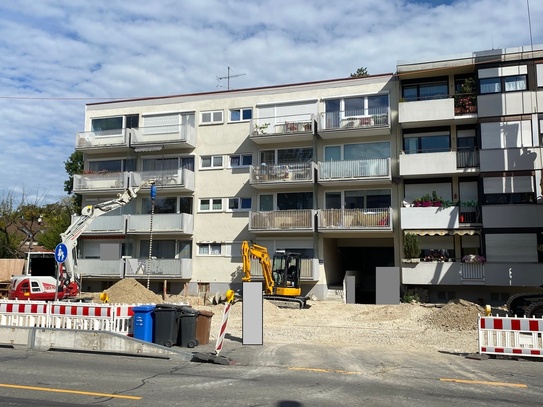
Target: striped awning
443,232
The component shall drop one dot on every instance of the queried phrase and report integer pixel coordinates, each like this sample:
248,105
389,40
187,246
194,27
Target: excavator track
287,302
535,310
521,304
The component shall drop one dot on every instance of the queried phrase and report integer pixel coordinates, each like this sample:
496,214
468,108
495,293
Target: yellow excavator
281,275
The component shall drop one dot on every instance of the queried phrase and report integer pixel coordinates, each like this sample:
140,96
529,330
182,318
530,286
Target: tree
9,238
56,219
360,73
74,165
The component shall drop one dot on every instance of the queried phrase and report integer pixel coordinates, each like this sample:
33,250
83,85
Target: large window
361,199
509,190
113,125
294,200
286,156
162,249
438,140
435,88
162,205
112,165
503,84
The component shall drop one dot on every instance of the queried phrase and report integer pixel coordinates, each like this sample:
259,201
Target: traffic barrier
62,315
510,336
222,330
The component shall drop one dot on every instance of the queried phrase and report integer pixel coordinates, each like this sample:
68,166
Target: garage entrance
361,263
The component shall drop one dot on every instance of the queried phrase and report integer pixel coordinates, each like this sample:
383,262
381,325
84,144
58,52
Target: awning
443,232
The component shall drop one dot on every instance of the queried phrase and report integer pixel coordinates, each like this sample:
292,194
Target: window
294,200
365,151
503,84
286,156
427,142
168,123
212,117
266,203
239,204
238,115
210,205
374,105
162,249
113,125
241,160
509,190
370,199
213,161
209,249
435,88
162,205
112,166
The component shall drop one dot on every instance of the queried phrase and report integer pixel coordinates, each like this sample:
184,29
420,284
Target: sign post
61,252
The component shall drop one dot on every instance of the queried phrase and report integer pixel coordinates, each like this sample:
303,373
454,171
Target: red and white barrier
511,336
222,331
61,315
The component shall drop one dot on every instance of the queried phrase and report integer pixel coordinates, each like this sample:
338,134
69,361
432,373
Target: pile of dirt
456,315
131,291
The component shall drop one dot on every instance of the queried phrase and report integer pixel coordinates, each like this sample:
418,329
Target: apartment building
471,137
308,167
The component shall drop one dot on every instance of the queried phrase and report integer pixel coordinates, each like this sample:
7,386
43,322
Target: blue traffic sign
61,252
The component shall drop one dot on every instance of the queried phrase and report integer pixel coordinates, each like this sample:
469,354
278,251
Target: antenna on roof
228,77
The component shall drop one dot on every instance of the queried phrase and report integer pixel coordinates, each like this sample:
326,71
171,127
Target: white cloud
56,49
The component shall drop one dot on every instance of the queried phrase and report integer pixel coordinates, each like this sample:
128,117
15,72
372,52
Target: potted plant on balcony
474,258
411,248
465,100
426,200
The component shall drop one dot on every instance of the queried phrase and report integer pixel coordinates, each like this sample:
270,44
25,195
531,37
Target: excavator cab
286,273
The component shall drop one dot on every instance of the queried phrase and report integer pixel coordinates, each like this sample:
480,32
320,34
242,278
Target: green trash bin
166,324
187,328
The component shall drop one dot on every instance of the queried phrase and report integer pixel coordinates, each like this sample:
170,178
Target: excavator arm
261,253
88,214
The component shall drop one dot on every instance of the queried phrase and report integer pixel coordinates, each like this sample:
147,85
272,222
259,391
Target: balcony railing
354,119
102,138
298,123
470,214
179,178
105,224
181,268
162,222
466,159
264,173
349,169
309,269
374,219
98,268
100,181
473,272
300,219
180,133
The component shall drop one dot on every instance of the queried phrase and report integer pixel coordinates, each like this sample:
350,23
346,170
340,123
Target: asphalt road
269,375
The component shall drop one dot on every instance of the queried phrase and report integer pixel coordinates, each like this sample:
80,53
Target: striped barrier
222,330
510,336
61,315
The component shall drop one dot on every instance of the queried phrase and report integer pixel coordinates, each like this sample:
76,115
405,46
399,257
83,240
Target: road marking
86,393
485,383
309,369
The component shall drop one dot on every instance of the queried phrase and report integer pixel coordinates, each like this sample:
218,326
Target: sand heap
456,315
131,291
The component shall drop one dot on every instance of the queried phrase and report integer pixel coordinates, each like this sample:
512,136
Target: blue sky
58,55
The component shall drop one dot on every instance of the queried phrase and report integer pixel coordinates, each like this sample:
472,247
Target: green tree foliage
360,73
74,165
9,237
56,219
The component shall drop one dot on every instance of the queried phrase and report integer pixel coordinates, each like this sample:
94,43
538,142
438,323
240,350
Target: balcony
179,180
166,223
112,140
338,172
179,135
101,182
511,159
513,216
159,268
373,121
278,129
430,218
333,220
443,273
309,270
435,112
281,221
269,176
439,163
104,225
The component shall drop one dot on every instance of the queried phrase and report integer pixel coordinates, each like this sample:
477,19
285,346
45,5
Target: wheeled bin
143,322
166,324
187,328
203,326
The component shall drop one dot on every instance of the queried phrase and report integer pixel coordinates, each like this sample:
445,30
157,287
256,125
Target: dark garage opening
361,262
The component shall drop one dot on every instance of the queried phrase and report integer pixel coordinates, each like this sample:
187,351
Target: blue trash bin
143,322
